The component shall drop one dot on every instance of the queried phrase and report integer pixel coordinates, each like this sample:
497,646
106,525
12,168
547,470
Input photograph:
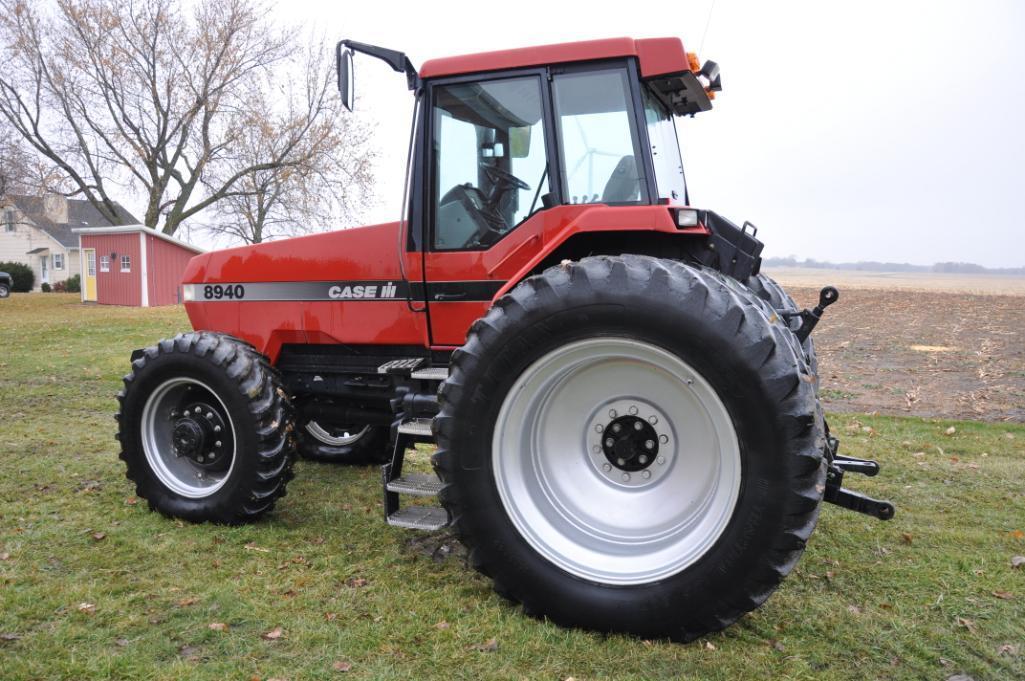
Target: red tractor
625,410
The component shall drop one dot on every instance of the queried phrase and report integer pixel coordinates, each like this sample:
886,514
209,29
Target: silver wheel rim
178,473
571,502
336,437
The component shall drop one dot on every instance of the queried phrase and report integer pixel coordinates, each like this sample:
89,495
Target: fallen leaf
5,556
10,637
317,541
1009,649
87,608
340,666
960,677
906,537
99,536
966,623
442,625
217,626
950,431
853,609
330,616
709,645
251,546
1017,534
489,647
131,501
776,645
185,602
356,582
273,635
1017,561
190,653
1003,595
918,455
121,642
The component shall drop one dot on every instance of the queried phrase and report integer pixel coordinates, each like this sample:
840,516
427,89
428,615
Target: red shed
132,265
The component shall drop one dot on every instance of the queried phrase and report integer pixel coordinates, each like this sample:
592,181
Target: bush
22,276
45,288
73,284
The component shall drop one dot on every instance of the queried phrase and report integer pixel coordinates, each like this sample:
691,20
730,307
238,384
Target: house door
44,268
89,280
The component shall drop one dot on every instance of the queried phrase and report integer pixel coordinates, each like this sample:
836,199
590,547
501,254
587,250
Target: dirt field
925,345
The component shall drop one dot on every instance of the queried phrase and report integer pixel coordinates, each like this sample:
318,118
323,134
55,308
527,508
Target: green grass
912,598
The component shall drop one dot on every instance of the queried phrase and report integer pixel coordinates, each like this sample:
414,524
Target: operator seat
624,184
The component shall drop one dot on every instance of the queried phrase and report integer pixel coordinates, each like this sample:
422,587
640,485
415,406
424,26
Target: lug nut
652,420
633,411
198,410
609,442
649,444
642,459
596,449
612,413
174,413
606,467
616,427
646,474
599,428
199,458
217,429
638,425
626,477
621,462
661,460
217,444
663,439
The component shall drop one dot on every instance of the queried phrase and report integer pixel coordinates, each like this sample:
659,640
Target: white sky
867,130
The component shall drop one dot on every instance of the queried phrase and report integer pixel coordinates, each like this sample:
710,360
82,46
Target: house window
126,263
58,261
9,220
104,263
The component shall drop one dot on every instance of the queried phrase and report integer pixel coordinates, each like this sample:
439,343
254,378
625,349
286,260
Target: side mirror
343,57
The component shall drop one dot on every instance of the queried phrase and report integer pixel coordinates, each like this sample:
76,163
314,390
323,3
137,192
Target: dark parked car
5,284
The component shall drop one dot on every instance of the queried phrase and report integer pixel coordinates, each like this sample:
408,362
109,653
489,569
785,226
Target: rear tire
4,290
529,494
205,429
769,290
347,445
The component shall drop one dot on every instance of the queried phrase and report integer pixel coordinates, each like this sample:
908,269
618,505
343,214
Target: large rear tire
347,445
205,429
630,444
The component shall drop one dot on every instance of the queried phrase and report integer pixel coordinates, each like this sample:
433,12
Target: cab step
415,485
430,518
417,427
430,374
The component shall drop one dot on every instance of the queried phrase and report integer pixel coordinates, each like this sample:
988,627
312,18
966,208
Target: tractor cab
500,136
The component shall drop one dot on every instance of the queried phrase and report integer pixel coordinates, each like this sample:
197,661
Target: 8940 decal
220,292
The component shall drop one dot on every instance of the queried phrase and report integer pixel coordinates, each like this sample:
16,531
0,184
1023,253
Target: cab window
490,163
598,136
665,149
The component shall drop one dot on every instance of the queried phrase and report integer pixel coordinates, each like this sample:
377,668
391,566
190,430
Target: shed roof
130,229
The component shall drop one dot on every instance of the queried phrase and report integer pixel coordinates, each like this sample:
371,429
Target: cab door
487,179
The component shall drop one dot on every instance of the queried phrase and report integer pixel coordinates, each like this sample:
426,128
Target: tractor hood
360,253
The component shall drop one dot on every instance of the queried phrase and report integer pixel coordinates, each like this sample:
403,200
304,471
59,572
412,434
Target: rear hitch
837,494
809,318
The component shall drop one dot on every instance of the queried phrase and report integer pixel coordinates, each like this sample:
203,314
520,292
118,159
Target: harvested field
931,352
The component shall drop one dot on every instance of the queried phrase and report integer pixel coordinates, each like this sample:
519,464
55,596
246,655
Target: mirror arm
393,58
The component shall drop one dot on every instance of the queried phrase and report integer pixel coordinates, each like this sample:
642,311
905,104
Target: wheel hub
199,435
629,443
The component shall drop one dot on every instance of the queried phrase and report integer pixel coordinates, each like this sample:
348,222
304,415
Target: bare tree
330,175
22,171
140,93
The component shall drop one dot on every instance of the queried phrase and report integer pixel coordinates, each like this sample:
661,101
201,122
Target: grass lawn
93,585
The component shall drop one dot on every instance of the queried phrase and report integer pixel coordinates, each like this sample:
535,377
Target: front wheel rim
603,509
188,438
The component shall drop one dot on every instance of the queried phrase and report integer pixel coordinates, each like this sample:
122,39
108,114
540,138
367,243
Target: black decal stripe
348,291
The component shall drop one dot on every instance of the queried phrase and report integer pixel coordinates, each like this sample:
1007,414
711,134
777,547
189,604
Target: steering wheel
500,177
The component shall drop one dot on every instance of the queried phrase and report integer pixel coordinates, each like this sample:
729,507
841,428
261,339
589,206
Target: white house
36,231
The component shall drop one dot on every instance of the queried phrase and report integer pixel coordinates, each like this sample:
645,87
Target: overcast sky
867,130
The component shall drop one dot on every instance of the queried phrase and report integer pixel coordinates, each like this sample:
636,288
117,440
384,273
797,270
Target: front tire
562,517
5,290
205,429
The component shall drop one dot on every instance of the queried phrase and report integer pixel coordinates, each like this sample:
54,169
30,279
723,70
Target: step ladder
408,430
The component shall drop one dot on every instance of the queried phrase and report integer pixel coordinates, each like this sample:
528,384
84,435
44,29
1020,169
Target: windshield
665,149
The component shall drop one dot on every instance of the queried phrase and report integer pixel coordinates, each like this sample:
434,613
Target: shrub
45,288
60,287
73,284
22,276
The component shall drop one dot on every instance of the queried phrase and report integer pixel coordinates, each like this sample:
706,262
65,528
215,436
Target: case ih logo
363,291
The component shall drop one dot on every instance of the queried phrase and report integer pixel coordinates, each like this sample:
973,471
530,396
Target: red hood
361,253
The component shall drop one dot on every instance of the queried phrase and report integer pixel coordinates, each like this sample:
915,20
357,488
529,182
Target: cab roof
657,57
